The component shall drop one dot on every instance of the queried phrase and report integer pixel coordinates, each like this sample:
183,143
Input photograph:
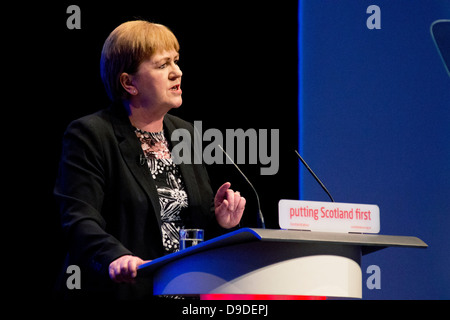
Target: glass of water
190,237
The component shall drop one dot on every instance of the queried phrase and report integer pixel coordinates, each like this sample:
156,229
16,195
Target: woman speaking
121,197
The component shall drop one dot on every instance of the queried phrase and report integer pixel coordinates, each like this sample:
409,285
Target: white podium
267,261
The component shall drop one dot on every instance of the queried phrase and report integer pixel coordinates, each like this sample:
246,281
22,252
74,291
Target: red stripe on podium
257,297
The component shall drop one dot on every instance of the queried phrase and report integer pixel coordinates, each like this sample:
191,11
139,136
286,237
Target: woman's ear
126,80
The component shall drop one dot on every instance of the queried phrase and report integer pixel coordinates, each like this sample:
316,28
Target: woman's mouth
176,88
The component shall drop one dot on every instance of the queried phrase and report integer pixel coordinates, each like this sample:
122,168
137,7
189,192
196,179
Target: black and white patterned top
169,184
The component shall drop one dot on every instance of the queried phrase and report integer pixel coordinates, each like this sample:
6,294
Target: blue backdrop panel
374,123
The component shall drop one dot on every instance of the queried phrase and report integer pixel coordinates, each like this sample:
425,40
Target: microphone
142,160
261,223
314,175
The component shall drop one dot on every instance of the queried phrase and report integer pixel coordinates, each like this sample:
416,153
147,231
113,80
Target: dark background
239,63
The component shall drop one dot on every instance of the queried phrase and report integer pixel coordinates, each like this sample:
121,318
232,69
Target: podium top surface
368,242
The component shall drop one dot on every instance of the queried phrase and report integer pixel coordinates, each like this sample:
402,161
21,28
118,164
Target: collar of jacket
132,152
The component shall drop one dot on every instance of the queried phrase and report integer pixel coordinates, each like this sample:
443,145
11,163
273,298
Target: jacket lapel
187,170
132,152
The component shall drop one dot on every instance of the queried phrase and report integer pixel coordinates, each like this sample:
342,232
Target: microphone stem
261,217
314,175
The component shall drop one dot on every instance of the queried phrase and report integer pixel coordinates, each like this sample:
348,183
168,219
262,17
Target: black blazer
108,201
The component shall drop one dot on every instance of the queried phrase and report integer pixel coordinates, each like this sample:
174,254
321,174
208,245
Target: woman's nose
176,72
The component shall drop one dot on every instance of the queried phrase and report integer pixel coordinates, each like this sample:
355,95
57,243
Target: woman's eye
167,63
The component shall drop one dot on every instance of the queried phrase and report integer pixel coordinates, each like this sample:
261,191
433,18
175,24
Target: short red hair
127,47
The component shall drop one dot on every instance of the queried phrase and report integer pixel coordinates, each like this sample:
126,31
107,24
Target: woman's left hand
229,206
